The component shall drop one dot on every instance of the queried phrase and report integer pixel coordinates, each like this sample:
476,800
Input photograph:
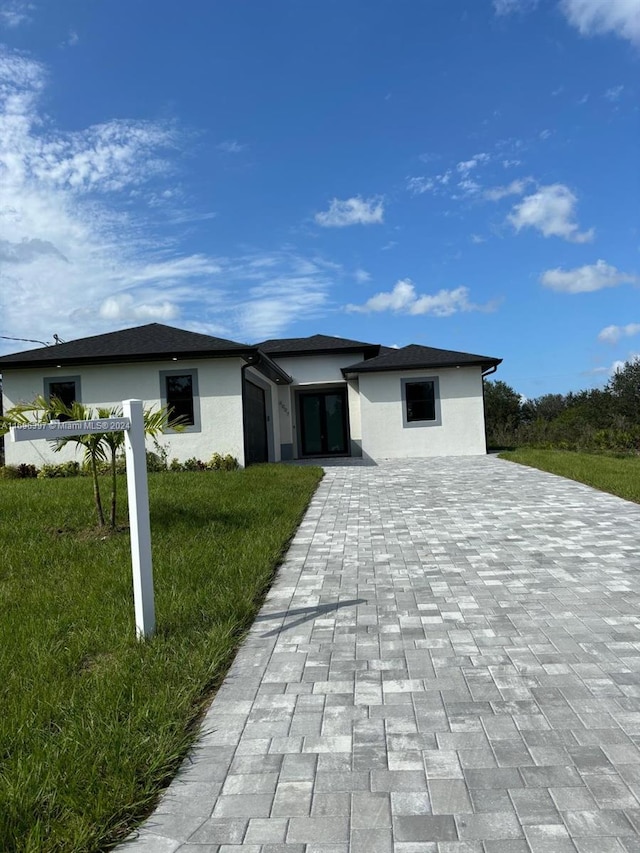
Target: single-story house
277,400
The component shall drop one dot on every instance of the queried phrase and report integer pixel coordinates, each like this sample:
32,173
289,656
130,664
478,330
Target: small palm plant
100,448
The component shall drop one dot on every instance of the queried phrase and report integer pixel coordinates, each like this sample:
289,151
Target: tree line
600,420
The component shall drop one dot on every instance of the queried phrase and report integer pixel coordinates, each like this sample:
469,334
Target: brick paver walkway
448,662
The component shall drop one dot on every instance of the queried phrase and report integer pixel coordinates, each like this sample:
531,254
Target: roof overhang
486,364
261,362
52,361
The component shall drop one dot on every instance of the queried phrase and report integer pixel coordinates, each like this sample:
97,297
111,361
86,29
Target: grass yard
93,723
617,475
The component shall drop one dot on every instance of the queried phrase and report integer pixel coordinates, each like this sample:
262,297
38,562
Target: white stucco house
277,400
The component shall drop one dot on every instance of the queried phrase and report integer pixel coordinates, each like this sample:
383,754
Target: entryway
323,423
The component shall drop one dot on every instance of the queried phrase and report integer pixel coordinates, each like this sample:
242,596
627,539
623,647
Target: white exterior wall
317,369
461,433
220,399
285,406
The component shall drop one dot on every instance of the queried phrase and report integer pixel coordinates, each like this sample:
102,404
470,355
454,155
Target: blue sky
456,173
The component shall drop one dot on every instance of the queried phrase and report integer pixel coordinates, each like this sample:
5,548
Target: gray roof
142,343
416,357
157,341
315,345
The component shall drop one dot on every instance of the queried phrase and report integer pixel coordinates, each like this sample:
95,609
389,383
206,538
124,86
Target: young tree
98,448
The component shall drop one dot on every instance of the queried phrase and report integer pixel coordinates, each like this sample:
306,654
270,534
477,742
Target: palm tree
99,448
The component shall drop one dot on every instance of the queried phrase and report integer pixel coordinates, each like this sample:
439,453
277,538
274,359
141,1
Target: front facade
279,400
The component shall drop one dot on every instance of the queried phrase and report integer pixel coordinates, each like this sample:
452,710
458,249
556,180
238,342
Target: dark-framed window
64,388
421,401
179,394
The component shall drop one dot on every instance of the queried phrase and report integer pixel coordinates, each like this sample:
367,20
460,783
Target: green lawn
617,475
93,722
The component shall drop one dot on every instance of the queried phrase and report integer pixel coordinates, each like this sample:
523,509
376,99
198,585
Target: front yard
94,723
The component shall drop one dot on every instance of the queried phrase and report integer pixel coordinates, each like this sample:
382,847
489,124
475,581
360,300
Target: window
179,393
421,402
64,388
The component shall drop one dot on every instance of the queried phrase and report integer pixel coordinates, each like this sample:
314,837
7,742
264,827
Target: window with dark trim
180,397
179,394
63,388
421,402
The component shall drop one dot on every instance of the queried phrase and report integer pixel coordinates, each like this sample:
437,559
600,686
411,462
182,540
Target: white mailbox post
132,424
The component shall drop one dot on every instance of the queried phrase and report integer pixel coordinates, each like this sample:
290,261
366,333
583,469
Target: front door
323,423
256,446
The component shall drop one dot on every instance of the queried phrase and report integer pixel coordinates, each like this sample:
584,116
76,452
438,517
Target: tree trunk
114,483
96,491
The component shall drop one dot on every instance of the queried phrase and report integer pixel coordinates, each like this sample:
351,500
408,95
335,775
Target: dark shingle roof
414,357
315,345
142,343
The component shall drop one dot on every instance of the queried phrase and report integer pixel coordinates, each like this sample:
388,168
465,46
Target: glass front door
323,423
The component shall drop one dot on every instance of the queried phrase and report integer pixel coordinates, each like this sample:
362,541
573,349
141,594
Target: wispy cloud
614,93
404,299
587,279
81,250
352,211
362,276
231,146
589,17
599,17
517,187
71,40
617,365
508,7
550,210
613,334
15,12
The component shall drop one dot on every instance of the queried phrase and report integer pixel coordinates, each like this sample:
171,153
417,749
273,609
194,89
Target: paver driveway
448,662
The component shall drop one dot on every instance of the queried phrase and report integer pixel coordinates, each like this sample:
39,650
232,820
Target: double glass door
323,423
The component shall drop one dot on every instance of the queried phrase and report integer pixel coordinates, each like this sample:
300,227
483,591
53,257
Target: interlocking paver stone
448,662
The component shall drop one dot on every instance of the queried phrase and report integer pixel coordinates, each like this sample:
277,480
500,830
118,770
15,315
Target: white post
138,493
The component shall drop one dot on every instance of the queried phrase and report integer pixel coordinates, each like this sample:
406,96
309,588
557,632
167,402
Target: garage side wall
385,433
219,405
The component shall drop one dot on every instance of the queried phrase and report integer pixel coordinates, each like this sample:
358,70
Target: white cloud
421,184
124,307
72,39
362,276
586,279
477,239
551,210
15,12
467,166
516,187
614,93
597,17
612,334
403,299
590,17
80,247
231,146
508,7
616,366
352,211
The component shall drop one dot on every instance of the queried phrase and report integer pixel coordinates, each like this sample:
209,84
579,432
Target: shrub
63,469
194,464
218,462
156,461
9,472
223,463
